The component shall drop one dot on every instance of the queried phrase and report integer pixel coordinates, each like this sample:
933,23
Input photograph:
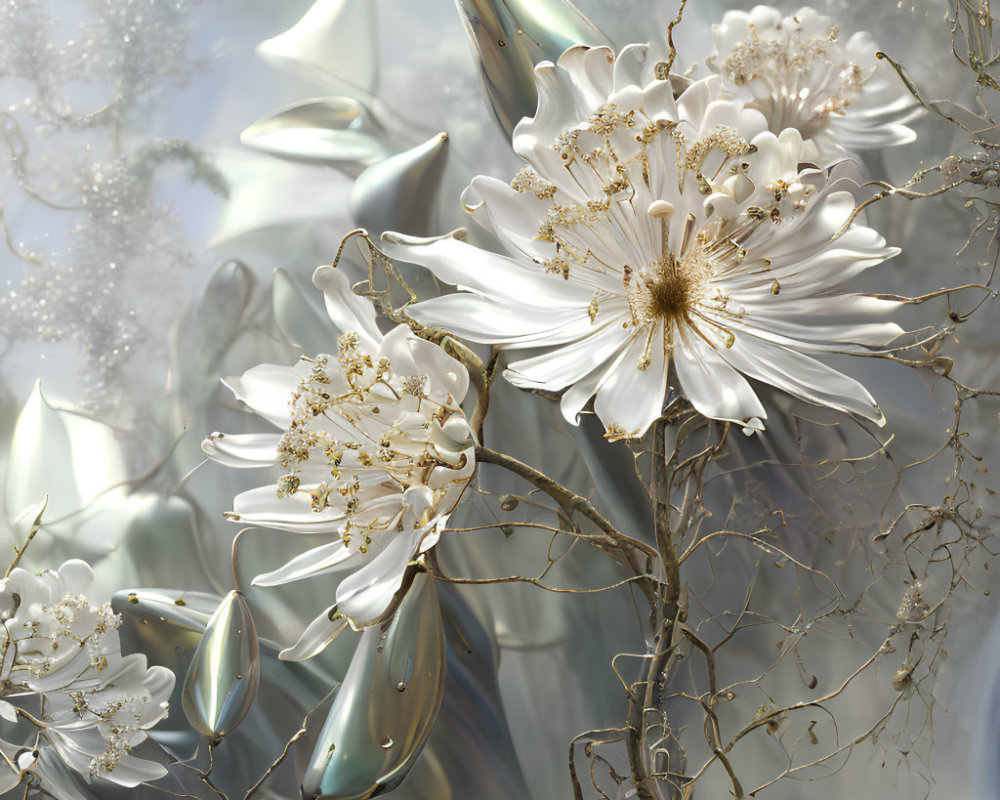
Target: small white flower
799,74
375,451
650,235
63,677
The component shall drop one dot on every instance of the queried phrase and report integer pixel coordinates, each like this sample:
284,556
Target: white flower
63,677
375,452
649,235
799,74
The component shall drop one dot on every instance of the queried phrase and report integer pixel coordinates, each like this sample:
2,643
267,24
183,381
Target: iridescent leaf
398,194
44,435
510,36
222,681
334,41
266,192
386,708
336,131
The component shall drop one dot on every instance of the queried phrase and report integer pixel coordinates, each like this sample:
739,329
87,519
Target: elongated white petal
326,627
364,595
631,397
349,312
266,388
318,561
714,387
803,377
242,450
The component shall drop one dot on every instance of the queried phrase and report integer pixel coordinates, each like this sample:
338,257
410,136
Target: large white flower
649,235
799,74
375,451
65,684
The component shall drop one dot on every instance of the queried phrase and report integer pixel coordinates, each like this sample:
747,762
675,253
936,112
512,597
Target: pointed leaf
335,131
510,36
334,42
398,193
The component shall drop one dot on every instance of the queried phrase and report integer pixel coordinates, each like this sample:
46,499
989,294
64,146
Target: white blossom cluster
65,686
700,235
375,452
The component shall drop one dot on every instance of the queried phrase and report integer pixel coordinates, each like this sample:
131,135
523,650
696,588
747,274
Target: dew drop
386,742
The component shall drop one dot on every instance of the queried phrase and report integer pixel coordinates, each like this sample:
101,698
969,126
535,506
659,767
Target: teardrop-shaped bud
510,36
221,682
387,705
398,193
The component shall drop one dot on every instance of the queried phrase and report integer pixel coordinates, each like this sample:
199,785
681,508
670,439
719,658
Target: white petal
242,450
489,321
802,376
318,634
486,273
349,311
267,389
711,385
363,596
631,399
558,368
318,561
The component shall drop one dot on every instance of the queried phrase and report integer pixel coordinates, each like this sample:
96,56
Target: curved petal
711,385
363,596
242,450
349,312
631,397
318,634
318,561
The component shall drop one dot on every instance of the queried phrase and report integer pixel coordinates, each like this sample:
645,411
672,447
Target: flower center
670,290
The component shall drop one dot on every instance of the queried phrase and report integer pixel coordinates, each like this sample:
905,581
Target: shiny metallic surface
387,706
221,683
398,194
336,131
509,37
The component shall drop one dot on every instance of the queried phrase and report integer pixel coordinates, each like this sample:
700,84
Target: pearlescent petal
319,560
467,267
242,450
631,399
364,595
711,384
348,311
802,376
317,636
329,130
335,39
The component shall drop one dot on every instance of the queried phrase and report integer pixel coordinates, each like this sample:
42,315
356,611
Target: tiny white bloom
799,73
375,451
650,236
63,678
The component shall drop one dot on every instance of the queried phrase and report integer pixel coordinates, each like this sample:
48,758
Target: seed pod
387,705
221,682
